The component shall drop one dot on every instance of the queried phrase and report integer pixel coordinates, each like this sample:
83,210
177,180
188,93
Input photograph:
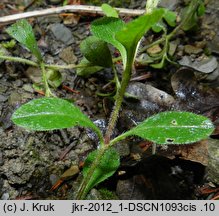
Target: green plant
51,113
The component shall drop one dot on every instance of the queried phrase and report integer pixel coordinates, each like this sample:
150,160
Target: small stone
204,64
170,4
53,179
14,99
3,98
189,49
154,49
34,74
28,88
5,196
62,33
18,83
68,55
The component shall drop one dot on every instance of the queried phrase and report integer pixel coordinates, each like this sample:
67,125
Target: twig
66,9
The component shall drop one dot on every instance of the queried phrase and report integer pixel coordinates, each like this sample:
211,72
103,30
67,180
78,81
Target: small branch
67,9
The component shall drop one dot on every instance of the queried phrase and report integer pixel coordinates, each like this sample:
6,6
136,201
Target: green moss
107,195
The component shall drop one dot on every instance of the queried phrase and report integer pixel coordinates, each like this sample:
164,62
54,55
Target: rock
5,196
3,98
213,162
67,55
34,74
53,179
204,65
49,20
189,49
170,4
28,88
62,33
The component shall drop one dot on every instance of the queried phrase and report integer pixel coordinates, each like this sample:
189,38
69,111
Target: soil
32,162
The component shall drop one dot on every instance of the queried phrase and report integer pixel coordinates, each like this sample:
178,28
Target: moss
107,195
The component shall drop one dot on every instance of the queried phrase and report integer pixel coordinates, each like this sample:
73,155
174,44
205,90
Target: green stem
83,190
119,98
35,64
48,92
21,60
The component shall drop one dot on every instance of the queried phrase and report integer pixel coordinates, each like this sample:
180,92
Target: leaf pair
164,128
124,37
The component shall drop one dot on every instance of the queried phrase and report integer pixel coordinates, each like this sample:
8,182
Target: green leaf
133,31
158,27
9,44
96,51
109,11
191,22
54,78
50,113
88,70
170,18
109,163
105,29
173,128
160,64
201,9
23,33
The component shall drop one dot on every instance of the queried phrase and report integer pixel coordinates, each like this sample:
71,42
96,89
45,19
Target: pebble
204,65
62,33
189,49
28,88
5,196
68,55
170,4
14,99
3,98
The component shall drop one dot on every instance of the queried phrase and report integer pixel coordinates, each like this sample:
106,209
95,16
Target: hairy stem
48,92
119,98
20,60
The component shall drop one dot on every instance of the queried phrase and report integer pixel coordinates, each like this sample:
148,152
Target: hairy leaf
50,113
54,78
109,11
23,33
109,163
170,17
96,51
105,28
133,31
173,128
201,9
